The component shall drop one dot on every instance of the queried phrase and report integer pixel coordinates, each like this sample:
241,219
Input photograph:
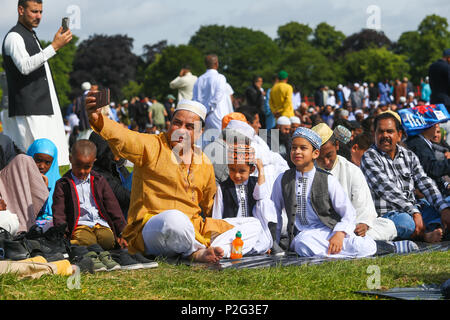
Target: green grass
336,280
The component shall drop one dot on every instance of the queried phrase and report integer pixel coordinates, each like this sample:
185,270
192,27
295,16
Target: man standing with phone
33,111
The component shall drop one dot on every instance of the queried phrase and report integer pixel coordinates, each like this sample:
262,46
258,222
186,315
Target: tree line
312,57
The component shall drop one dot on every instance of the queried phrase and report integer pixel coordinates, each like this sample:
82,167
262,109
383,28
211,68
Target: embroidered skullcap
241,153
345,113
283,121
310,135
324,131
395,114
295,120
342,134
232,116
192,106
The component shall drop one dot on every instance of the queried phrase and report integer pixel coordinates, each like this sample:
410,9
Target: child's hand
44,177
336,242
122,242
260,167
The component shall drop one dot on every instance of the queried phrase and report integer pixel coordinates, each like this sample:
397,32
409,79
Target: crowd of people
340,177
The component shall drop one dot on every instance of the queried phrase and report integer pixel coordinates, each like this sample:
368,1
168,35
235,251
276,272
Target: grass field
337,280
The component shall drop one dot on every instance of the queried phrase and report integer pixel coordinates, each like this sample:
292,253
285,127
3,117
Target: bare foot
433,236
209,255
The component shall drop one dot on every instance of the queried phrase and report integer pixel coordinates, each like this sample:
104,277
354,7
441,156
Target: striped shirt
392,182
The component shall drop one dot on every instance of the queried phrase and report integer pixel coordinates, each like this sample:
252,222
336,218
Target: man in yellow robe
281,97
173,187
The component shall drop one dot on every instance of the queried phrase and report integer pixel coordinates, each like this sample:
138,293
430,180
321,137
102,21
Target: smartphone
102,98
65,24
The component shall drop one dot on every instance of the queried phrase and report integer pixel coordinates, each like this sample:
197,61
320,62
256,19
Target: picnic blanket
292,259
423,292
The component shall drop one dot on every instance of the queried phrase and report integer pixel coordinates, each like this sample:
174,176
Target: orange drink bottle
236,247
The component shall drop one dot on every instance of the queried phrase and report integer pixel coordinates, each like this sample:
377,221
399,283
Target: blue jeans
404,222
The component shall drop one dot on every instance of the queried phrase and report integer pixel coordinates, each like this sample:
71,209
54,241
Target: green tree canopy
167,66
373,65
327,39
424,46
106,60
243,53
293,35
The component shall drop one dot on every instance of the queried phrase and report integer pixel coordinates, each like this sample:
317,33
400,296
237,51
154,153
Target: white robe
313,237
212,91
263,211
24,130
355,185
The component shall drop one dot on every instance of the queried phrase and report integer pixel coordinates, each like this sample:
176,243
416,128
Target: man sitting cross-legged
173,187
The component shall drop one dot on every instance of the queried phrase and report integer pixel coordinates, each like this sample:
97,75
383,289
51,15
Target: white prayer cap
365,84
112,104
241,127
295,120
340,86
356,85
283,121
402,99
124,101
358,111
192,106
86,86
411,94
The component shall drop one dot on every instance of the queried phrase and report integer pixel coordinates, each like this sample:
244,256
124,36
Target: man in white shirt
34,110
355,185
184,83
212,91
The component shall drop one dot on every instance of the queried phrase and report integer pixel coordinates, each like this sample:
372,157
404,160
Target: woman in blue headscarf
45,154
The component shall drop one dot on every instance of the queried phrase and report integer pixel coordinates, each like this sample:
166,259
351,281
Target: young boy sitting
242,197
84,200
321,218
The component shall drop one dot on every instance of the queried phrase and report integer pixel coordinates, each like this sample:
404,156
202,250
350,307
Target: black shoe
53,241
384,247
146,263
84,263
15,250
126,261
77,252
5,235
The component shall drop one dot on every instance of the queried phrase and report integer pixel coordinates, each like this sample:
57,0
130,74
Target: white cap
295,120
124,101
283,121
402,99
192,106
411,94
340,86
356,85
241,127
365,84
86,86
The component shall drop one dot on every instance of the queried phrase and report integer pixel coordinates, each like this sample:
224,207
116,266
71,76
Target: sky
150,21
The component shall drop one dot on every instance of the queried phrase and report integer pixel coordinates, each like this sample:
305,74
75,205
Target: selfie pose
33,110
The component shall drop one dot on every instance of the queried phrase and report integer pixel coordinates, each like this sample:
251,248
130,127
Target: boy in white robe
355,185
244,199
321,218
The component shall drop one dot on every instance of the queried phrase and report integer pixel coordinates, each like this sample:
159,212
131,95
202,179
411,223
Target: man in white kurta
212,91
355,185
184,83
24,130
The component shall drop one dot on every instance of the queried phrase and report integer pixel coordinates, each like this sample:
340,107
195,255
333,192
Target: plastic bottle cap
238,234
